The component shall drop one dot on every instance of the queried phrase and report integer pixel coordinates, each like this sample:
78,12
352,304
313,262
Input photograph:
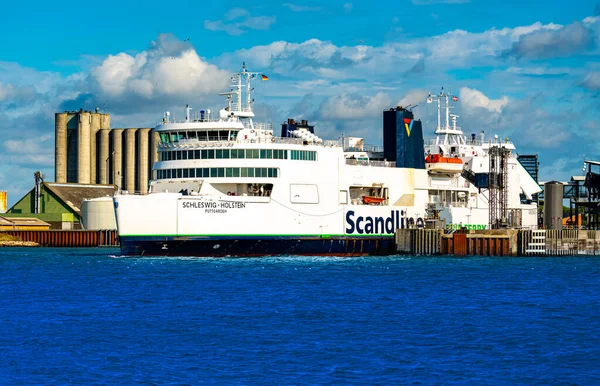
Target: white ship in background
230,186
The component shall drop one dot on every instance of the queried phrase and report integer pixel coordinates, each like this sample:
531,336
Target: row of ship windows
205,135
303,155
217,172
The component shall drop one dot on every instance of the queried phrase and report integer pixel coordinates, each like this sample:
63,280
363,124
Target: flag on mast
454,98
429,100
264,77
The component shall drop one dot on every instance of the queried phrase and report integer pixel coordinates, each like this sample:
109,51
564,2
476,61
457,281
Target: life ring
252,131
272,139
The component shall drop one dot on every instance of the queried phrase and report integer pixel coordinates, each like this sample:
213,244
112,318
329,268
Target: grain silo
553,207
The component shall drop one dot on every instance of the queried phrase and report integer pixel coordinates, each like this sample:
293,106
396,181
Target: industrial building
23,224
88,151
60,205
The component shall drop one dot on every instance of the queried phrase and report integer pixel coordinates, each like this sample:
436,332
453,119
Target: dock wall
68,238
501,242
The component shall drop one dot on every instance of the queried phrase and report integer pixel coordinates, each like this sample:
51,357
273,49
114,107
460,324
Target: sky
526,70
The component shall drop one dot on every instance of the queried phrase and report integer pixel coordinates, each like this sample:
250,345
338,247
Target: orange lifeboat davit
436,163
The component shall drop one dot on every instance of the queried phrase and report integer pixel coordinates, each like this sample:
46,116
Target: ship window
186,173
223,135
213,172
205,172
234,153
181,135
192,173
198,172
228,172
244,172
226,153
184,154
263,153
196,154
255,153
221,172
192,135
174,137
269,153
211,154
219,154
179,173
285,154
236,172
213,135
270,172
204,154
250,172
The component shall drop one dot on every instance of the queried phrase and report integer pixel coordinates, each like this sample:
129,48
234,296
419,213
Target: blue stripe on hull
264,246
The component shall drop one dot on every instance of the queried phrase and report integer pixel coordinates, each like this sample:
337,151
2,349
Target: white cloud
413,97
301,8
538,70
239,21
591,19
454,49
347,106
471,98
166,69
553,43
592,80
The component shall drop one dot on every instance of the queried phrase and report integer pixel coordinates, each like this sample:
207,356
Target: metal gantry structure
498,187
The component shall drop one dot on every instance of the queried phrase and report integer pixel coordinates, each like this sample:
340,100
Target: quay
498,242
66,238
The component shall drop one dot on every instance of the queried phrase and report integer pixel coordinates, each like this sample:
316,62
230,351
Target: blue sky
529,70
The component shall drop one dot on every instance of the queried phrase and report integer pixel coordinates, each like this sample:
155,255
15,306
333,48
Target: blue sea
88,316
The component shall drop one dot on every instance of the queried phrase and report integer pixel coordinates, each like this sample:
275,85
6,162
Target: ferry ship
228,186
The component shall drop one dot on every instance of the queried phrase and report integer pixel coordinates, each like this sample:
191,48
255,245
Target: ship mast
241,83
447,133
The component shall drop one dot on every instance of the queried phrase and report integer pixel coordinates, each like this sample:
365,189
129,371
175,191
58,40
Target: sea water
88,316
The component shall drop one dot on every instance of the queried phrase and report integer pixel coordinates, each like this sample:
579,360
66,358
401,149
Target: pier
67,238
498,242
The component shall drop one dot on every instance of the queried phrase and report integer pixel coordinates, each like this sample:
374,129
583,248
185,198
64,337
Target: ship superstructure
230,186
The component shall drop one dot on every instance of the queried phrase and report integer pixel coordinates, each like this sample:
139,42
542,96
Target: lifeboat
436,163
372,200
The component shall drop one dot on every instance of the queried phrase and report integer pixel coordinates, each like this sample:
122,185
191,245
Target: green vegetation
6,237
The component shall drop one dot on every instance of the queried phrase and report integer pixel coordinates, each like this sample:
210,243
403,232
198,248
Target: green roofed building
58,204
